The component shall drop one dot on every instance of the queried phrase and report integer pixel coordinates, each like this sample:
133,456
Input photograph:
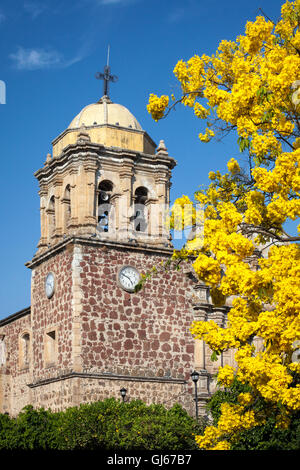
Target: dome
105,112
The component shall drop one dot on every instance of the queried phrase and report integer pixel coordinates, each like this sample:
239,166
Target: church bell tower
104,195
106,179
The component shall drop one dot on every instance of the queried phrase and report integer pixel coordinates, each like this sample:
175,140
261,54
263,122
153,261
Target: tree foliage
105,425
250,86
265,436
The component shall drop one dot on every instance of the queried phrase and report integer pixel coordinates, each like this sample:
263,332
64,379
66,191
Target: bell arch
140,216
51,217
66,201
104,206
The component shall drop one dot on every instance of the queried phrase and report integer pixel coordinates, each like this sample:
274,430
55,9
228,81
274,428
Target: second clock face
129,278
49,285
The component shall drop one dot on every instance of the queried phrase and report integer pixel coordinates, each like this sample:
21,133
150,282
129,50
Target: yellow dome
105,112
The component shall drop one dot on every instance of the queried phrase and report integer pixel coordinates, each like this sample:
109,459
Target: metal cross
106,76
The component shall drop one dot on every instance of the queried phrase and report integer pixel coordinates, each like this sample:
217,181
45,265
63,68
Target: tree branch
253,229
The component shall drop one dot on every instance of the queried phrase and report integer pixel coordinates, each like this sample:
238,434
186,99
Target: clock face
49,285
129,278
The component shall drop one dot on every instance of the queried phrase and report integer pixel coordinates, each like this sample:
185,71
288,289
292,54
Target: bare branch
256,229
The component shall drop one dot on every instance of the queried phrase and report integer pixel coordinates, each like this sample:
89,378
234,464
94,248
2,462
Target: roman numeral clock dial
128,278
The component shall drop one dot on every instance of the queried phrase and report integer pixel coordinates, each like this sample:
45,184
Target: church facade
104,193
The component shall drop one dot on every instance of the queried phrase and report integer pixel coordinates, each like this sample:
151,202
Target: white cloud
34,8
33,59
37,59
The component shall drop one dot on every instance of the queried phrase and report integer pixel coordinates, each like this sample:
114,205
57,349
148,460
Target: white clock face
129,278
49,285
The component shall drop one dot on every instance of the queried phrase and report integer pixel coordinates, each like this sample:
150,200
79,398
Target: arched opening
67,205
140,198
105,190
25,350
2,351
51,216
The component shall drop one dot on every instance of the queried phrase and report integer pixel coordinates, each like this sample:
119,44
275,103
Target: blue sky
49,54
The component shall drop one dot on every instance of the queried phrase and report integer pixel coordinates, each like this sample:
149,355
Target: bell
141,199
104,196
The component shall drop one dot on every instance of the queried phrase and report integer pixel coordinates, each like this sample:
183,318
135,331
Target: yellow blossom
233,166
251,86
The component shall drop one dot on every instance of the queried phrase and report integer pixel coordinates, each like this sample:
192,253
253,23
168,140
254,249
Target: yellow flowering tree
250,86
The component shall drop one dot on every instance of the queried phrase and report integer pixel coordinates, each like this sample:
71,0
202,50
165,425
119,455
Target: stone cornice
40,258
106,376
86,153
210,308
15,316
93,154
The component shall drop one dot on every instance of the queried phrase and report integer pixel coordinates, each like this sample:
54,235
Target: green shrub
269,437
227,395
114,425
7,432
107,424
264,437
32,429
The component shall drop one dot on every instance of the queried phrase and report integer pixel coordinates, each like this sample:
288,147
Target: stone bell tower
104,193
106,179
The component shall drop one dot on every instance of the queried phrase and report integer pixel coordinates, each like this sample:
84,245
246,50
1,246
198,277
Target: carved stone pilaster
202,293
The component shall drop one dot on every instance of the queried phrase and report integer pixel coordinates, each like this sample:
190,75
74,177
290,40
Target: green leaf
244,143
214,356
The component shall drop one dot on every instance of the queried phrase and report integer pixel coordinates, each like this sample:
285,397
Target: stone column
76,308
59,215
161,182
219,316
73,222
80,199
201,314
114,215
200,360
43,217
124,212
90,219
204,392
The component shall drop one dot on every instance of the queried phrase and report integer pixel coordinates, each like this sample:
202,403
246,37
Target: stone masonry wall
64,393
144,334
54,314
14,393
106,338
